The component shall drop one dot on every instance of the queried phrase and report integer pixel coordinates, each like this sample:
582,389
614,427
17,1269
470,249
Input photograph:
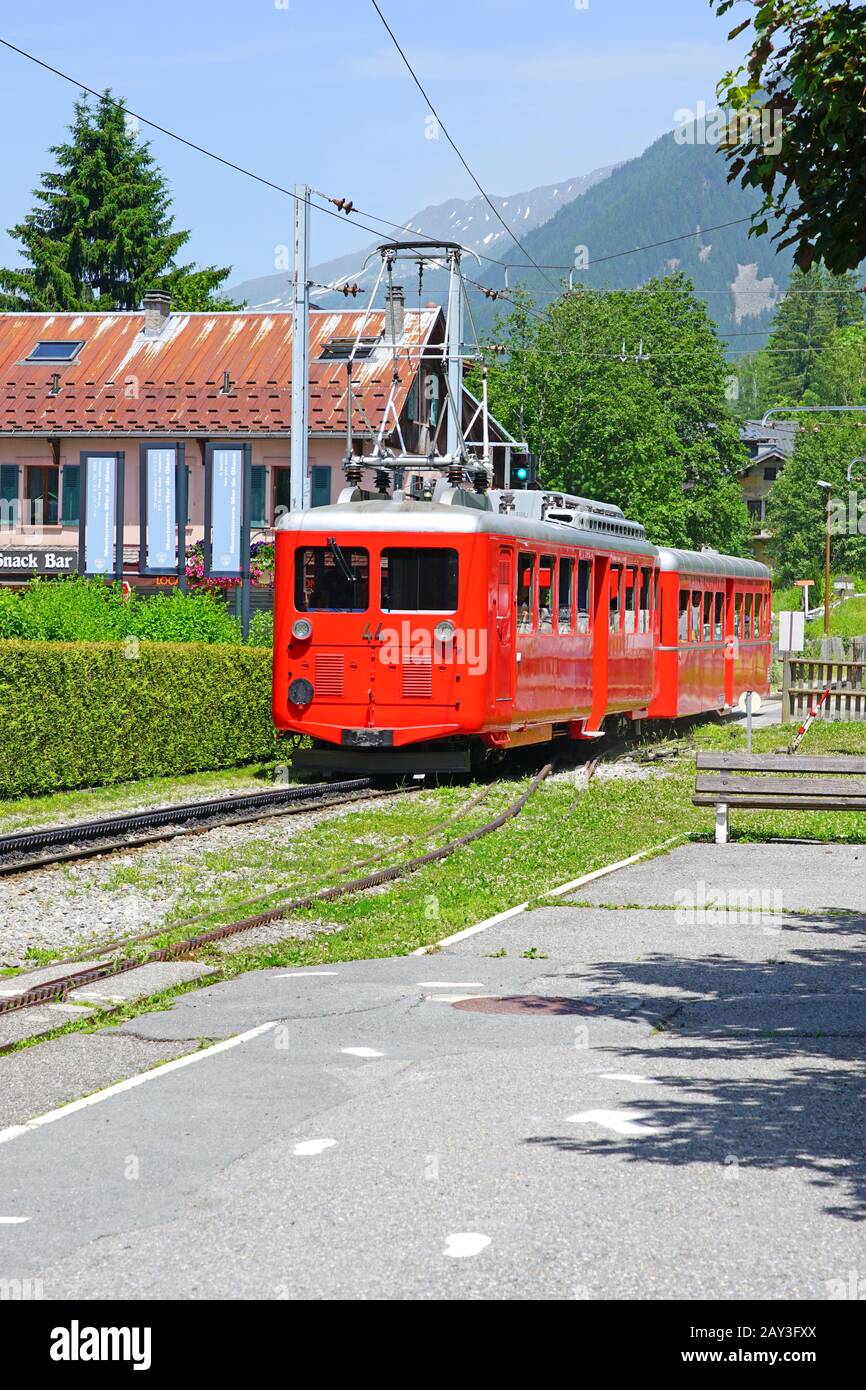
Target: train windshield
332,578
419,581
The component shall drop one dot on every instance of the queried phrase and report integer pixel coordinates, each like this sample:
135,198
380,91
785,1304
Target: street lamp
829,489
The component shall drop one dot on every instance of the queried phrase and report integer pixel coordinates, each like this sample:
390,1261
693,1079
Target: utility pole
455,347
299,490
828,487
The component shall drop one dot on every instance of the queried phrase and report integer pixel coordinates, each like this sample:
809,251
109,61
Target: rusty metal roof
122,382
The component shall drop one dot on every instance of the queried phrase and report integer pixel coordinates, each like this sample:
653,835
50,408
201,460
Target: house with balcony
769,447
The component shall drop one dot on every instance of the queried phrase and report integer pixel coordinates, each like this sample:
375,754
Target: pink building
90,383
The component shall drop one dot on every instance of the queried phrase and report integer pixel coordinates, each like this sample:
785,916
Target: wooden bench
812,784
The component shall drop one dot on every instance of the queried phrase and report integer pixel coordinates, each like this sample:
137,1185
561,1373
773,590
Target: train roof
450,518
711,562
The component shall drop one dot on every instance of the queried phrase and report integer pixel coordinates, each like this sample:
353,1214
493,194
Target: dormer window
49,350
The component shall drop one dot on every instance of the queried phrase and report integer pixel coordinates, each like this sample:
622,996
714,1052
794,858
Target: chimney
395,311
157,307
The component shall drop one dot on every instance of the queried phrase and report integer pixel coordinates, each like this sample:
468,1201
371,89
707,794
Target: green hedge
88,714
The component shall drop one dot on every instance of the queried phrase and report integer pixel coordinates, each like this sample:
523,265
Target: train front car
414,636
715,632
381,633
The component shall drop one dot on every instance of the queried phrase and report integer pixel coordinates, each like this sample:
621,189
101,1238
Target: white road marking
629,1076
450,984
550,893
454,998
14,1220
361,1052
620,1121
15,1130
463,1244
305,974
479,926
313,1146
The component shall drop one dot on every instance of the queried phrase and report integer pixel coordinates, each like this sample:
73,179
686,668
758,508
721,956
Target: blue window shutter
9,482
321,485
71,511
257,497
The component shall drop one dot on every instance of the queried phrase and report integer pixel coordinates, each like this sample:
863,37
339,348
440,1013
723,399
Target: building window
49,350
42,491
282,491
341,349
771,472
9,506
70,514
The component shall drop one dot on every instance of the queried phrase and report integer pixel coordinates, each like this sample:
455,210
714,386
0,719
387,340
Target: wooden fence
805,680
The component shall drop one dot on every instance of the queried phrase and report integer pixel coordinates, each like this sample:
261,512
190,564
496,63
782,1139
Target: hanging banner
100,536
163,508
227,480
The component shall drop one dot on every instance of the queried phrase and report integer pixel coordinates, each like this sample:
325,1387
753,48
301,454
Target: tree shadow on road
775,1077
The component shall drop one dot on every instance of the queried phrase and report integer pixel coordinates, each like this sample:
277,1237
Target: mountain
468,221
671,189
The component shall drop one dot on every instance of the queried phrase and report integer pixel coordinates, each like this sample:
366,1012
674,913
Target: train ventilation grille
329,675
418,680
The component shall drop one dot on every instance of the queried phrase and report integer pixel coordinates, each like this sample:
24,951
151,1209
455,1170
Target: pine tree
816,304
102,234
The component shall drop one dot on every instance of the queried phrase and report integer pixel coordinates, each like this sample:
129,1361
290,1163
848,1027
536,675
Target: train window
683,628
759,615
584,585
696,616
747,616
565,593
719,620
525,574
615,597
545,593
332,578
418,580
631,599
708,617
643,624
738,615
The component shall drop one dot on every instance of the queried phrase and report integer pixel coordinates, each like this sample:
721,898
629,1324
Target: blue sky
312,90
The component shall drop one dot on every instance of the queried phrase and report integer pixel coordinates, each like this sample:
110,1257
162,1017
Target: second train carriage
401,623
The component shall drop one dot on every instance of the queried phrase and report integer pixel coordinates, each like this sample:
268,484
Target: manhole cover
527,1004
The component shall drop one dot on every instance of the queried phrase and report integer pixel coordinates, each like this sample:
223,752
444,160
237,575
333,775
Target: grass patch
26,811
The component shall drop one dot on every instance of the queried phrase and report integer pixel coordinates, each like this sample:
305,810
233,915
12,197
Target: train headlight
444,632
300,692
302,628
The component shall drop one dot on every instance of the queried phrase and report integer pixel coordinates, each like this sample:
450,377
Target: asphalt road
686,1121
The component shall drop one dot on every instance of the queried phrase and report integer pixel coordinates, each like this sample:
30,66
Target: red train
411,634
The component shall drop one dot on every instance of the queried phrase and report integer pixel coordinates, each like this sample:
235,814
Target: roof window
340,349
49,350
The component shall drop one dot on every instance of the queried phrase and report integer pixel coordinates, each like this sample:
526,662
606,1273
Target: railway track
34,849
54,990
